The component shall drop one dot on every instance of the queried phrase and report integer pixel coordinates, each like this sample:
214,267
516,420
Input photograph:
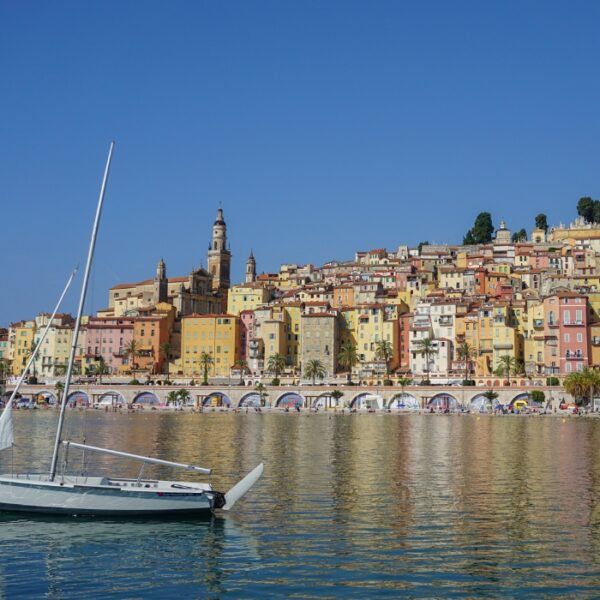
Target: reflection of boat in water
45,555
84,495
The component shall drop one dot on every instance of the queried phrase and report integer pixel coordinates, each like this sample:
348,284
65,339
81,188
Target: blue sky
321,127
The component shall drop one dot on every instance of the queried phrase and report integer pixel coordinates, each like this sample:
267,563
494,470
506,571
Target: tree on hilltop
482,230
541,222
519,236
585,209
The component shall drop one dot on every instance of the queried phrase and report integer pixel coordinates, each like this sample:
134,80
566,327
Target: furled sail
6,427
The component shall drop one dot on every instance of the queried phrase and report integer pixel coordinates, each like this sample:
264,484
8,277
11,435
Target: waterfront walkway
305,397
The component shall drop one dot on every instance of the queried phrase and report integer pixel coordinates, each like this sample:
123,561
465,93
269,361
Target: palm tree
583,386
384,352
206,361
260,388
465,352
60,370
100,369
29,353
59,386
4,370
172,397
336,395
132,351
183,395
403,382
276,364
506,365
165,349
348,357
490,395
427,347
242,365
314,368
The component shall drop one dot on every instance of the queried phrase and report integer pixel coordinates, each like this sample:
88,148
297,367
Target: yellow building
533,352
377,323
53,355
451,278
246,296
218,336
20,336
348,330
291,316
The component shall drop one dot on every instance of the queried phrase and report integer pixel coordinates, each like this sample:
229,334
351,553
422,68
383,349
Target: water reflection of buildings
75,558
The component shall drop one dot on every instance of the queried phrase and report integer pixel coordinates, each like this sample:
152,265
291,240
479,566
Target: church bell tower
219,255
161,283
251,269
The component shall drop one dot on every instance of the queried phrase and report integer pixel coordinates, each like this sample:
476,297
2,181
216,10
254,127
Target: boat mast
84,287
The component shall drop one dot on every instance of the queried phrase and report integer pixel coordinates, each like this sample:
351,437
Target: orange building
150,331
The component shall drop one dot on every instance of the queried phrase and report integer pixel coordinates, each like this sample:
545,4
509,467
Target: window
567,317
567,338
580,337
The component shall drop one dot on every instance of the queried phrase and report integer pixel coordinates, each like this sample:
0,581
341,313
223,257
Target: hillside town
500,305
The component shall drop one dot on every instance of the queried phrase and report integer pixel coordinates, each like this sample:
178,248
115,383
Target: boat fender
218,499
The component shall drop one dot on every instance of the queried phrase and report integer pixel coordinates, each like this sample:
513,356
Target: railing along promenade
306,396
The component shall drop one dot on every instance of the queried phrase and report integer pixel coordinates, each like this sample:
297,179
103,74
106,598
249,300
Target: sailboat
67,494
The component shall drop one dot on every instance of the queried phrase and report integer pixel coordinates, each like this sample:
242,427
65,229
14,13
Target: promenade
322,397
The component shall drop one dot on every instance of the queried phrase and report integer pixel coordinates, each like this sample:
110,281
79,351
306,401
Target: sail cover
6,427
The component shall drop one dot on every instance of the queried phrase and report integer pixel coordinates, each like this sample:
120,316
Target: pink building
108,337
247,326
566,332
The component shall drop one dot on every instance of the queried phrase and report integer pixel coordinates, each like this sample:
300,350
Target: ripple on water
351,506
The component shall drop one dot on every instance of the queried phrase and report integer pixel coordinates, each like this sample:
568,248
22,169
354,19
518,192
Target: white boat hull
105,497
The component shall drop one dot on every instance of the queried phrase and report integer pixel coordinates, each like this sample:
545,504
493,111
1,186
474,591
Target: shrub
538,396
134,382
275,381
32,380
552,381
468,382
425,382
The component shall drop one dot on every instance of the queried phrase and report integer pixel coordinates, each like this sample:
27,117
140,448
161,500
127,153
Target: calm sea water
355,506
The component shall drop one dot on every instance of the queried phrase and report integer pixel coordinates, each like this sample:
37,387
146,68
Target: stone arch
480,404
443,401
45,397
216,399
111,398
366,400
404,401
290,400
78,398
146,399
523,397
322,400
252,399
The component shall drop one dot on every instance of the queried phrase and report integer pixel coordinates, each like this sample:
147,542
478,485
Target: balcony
503,345
553,323
574,356
573,324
